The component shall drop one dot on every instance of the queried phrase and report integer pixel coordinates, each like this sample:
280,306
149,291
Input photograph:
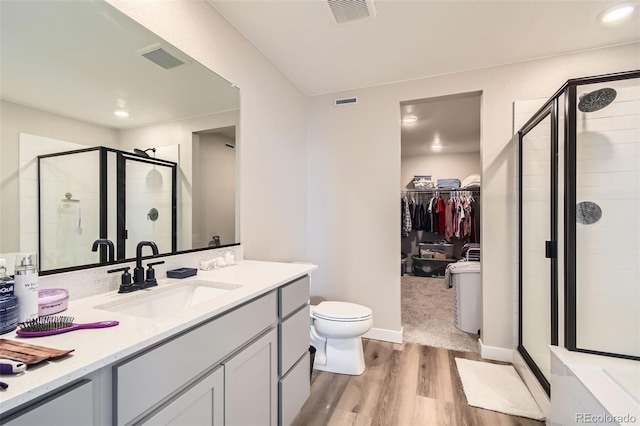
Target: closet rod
446,191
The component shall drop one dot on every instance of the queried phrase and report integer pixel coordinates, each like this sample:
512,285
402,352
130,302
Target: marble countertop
97,348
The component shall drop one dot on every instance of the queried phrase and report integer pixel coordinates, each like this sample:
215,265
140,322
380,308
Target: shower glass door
147,202
538,171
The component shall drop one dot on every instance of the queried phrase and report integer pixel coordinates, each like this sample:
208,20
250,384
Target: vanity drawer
293,295
150,378
294,389
72,406
294,339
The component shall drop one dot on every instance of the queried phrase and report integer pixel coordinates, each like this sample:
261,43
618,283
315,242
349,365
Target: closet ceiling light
617,12
410,119
436,147
121,113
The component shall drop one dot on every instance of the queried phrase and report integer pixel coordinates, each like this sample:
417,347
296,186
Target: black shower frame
569,90
550,109
120,204
102,182
570,329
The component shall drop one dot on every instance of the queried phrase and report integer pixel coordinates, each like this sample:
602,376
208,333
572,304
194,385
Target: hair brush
46,326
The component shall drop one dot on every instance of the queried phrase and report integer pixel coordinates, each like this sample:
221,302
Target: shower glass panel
69,203
536,204
149,205
607,208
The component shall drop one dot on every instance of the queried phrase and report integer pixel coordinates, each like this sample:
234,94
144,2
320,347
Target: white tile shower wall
608,168
31,147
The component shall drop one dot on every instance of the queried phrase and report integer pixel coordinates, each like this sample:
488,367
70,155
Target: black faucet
110,247
138,272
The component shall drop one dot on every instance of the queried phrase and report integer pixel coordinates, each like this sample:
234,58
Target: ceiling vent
346,101
160,56
344,11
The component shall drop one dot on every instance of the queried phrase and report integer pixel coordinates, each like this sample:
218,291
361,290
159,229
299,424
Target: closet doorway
440,215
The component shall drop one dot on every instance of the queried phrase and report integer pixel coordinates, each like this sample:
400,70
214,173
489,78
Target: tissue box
182,273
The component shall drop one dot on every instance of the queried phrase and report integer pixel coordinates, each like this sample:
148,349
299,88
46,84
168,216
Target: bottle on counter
26,286
8,301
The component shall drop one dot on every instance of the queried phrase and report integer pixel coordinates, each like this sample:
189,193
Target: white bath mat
497,388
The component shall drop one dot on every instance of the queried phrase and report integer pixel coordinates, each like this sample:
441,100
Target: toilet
336,328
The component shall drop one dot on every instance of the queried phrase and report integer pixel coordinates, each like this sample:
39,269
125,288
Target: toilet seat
341,311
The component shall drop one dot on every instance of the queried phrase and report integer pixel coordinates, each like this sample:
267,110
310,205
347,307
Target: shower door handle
551,249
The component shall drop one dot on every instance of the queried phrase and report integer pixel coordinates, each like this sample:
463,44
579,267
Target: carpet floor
427,315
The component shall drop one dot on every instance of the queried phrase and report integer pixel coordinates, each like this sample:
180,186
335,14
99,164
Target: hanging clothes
441,216
455,216
406,217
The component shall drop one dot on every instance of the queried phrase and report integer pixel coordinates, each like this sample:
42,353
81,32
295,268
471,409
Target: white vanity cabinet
247,366
72,406
152,379
294,383
250,384
201,404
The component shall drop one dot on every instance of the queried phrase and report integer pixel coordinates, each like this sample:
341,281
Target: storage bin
422,182
427,248
429,267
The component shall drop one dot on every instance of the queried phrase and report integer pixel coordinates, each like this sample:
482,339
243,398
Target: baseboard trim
535,388
495,353
385,335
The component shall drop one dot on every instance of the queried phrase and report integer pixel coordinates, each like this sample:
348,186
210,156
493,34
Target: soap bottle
26,286
8,302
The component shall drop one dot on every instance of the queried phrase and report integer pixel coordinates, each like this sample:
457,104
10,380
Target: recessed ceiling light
436,147
617,12
121,113
409,119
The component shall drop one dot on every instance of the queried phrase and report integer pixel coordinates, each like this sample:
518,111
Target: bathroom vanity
238,358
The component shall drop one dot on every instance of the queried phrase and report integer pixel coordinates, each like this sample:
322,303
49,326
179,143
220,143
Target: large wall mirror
109,132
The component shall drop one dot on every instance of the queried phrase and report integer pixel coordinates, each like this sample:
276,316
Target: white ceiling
452,121
414,39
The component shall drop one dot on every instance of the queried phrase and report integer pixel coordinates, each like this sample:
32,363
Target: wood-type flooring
403,385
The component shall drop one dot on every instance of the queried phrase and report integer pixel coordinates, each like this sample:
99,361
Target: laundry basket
467,296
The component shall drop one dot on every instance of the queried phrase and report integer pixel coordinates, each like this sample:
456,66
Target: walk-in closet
440,210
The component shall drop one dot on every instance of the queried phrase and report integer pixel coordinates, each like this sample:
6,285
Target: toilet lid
341,311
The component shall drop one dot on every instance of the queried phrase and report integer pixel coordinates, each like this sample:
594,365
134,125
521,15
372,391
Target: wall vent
346,101
159,56
344,11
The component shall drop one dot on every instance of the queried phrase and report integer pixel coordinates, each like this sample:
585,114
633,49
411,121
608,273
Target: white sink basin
158,302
